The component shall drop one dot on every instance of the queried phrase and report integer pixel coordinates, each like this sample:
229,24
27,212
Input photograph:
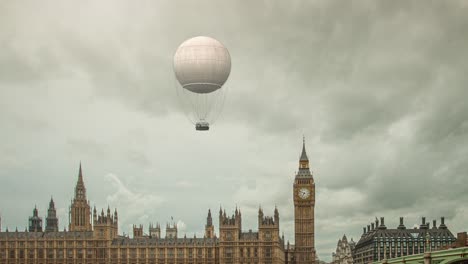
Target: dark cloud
377,87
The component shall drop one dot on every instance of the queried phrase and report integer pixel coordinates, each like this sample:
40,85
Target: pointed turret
304,154
80,189
95,215
276,215
51,220
209,228
35,222
209,220
304,170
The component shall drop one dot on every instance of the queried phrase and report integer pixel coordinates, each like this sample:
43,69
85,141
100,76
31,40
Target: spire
80,190
80,174
209,220
303,154
51,203
304,171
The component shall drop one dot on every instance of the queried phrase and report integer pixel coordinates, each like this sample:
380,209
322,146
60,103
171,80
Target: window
228,253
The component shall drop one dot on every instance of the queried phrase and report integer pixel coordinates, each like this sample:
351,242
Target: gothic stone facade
93,237
344,249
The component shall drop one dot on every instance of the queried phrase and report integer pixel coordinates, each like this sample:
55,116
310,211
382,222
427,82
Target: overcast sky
378,88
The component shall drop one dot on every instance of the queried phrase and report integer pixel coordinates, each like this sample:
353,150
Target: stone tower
171,230
304,205
35,222
105,225
137,231
229,234
268,227
80,212
51,220
209,228
155,231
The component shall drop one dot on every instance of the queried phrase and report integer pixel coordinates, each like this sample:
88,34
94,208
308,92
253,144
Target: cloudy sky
378,88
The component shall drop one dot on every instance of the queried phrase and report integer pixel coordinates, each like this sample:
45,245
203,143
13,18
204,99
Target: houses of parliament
93,237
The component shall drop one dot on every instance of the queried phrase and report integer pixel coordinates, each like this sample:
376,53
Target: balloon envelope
202,64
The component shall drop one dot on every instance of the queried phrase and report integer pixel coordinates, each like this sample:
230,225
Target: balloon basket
202,126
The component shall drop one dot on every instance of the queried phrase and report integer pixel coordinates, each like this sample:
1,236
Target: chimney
364,230
401,226
434,224
372,226
368,228
382,223
442,223
423,223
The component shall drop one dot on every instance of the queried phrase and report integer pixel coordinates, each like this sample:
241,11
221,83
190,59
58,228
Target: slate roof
50,235
409,234
249,235
147,241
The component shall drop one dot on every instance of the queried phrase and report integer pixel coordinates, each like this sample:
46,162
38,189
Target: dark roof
402,233
39,235
303,154
125,241
304,173
249,235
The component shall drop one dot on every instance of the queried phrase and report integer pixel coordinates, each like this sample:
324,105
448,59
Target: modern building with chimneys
378,243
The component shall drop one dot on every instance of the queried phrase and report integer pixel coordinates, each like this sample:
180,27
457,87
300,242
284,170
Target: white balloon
202,64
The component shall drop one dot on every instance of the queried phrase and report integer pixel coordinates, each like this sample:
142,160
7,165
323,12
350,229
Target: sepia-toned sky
378,88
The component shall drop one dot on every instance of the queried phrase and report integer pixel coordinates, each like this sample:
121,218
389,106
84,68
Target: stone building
344,249
93,237
378,243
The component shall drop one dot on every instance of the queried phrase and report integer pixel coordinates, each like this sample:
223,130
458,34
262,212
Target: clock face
304,193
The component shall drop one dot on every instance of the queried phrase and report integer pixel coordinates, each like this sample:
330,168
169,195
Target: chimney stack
423,223
442,223
401,226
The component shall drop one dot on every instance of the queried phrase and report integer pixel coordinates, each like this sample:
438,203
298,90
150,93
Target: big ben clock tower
304,205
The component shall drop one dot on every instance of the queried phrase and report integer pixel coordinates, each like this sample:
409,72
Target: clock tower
304,205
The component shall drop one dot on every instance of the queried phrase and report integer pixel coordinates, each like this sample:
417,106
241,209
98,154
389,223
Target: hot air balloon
202,66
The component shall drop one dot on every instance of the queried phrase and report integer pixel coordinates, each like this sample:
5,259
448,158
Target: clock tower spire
303,160
304,211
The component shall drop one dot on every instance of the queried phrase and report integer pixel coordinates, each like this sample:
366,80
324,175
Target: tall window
228,253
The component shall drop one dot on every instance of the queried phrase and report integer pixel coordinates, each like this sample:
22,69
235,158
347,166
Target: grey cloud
377,87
